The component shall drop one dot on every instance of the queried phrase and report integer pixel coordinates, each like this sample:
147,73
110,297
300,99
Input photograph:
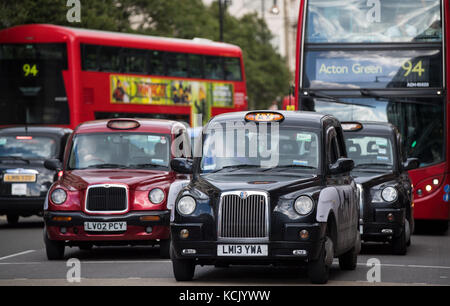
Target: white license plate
19,189
242,250
105,226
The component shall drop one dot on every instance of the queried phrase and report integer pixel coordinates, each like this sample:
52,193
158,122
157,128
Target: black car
380,171
24,181
268,188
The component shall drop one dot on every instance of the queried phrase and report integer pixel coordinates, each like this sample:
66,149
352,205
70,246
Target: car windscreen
28,147
120,150
261,147
369,151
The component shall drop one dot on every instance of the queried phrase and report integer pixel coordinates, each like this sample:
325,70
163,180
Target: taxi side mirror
342,165
53,164
411,163
182,165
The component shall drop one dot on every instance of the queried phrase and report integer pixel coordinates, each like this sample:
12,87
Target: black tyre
349,260
319,270
399,244
12,219
183,269
164,249
54,249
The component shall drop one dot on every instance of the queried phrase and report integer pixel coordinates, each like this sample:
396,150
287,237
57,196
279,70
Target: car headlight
186,205
389,194
303,205
59,196
156,196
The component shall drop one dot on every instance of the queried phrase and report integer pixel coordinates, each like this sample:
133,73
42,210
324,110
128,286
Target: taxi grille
106,199
243,218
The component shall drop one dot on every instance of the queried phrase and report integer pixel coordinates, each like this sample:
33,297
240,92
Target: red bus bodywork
429,206
89,91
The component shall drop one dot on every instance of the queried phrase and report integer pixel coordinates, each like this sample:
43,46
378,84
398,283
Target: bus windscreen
32,87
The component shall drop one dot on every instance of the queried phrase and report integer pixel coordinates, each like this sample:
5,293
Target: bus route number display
30,70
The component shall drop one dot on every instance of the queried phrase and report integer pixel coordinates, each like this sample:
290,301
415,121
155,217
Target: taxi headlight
59,196
303,205
186,205
389,194
156,196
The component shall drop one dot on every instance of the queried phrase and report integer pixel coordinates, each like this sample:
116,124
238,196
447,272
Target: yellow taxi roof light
264,117
351,126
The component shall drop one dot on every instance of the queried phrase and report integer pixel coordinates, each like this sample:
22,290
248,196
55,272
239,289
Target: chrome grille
243,217
106,198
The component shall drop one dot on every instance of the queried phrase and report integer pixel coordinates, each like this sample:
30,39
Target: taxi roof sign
351,126
122,124
264,117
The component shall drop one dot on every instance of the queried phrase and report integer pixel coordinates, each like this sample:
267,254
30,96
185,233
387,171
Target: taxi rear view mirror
182,165
411,163
53,164
342,165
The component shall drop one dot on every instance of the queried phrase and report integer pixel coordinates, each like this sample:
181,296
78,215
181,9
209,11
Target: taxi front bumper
388,223
138,230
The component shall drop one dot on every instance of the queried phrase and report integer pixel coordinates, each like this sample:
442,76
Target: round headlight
186,205
303,205
59,196
156,196
389,194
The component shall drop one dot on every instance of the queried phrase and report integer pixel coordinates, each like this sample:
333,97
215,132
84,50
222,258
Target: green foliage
266,72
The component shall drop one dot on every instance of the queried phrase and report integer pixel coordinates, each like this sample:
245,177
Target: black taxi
267,188
24,181
386,198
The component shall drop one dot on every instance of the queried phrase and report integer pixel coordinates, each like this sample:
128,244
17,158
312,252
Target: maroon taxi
114,186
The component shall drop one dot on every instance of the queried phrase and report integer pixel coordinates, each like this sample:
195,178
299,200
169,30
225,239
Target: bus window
89,57
232,67
134,61
157,63
109,59
195,63
355,21
176,64
214,68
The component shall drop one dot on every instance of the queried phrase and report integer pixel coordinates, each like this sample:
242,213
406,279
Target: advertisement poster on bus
156,91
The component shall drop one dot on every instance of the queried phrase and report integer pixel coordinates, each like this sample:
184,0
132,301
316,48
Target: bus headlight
156,196
58,196
389,194
303,205
186,205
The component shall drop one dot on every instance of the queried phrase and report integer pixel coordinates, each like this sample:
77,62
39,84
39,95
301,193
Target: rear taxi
113,189
24,181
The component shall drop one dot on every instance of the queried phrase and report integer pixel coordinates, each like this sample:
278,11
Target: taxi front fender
328,203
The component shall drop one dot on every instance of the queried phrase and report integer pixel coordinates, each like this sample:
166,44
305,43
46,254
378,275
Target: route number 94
409,68
30,70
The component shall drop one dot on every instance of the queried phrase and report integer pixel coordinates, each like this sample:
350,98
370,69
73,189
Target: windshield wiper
371,94
336,100
291,166
236,167
15,158
372,164
107,166
146,166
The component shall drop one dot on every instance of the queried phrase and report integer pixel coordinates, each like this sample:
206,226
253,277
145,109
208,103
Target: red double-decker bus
373,60
63,76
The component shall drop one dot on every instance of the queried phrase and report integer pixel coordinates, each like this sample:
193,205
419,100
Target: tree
267,75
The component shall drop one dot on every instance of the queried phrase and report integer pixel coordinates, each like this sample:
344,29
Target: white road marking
17,254
408,266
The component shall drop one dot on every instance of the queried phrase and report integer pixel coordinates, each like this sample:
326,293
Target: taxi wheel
183,269
319,270
54,249
12,219
164,249
399,244
349,260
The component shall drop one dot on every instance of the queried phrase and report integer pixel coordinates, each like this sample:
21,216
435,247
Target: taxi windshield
120,150
370,151
261,148
28,147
